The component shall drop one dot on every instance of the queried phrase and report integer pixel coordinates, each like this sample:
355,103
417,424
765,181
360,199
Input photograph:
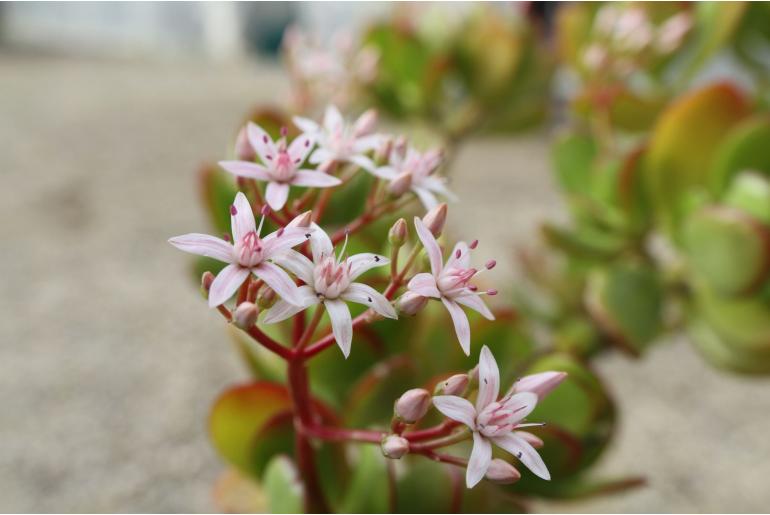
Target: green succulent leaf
282,484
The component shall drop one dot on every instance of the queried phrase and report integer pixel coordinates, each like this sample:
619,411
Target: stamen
233,210
491,264
264,138
265,210
280,232
226,237
492,292
284,131
474,244
344,246
458,253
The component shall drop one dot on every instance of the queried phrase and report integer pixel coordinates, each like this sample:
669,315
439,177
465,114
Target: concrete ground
109,359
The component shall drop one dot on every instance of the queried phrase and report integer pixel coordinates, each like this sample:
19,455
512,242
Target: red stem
431,432
269,343
340,434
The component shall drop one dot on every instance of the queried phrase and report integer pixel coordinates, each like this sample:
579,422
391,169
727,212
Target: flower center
283,167
497,419
454,280
248,251
331,277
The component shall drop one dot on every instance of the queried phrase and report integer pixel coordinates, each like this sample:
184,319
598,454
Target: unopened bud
243,149
365,123
400,146
411,303
394,446
266,298
400,184
435,219
245,315
398,233
328,166
502,472
302,220
412,405
455,385
382,153
206,279
540,384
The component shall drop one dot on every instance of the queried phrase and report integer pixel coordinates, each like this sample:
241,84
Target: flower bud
382,153
245,315
540,384
411,303
400,184
454,385
243,149
365,123
502,472
206,279
398,233
303,220
435,219
400,146
394,446
266,298
412,405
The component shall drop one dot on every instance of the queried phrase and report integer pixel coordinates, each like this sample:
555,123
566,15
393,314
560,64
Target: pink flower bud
365,123
412,405
435,219
245,315
411,303
266,298
400,146
394,446
398,233
206,279
540,384
243,149
382,153
303,220
454,385
502,472
400,184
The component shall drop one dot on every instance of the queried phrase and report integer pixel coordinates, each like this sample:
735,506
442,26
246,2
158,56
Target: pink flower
249,254
280,165
450,283
409,169
339,141
540,384
494,421
329,281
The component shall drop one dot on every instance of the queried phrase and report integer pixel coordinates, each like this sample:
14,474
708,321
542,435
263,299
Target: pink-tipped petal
384,172
289,237
297,264
428,199
313,179
521,404
320,155
462,326
279,281
430,244
540,384
282,310
362,161
320,244
204,245
531,439
368,296
456,408
481,457
300,148
262,142
276,194
489,379
367,143
361,263
474,302
246,169
333,120
438,185
525,453
306,125
342,325
241,217
227,281
424,284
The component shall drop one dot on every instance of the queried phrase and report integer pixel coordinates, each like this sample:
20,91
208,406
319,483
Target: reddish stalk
431,432
340,434
269,343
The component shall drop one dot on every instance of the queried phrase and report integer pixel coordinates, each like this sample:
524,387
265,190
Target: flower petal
464,261
320,244
273,244
342,325
473,301
262,142
242,221
489,379
227,281
462,326
428,199
306,125
481,457
364,262
278,280
300,148
333,120
296,263
424,284
384,172
526,454
246,169
438,185
430,244
314,179
276,194
204,245
282,310
531,439
367,143
521,404
362,161
368,296
319,156
456,408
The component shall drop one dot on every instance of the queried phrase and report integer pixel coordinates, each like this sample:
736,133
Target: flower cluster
302,268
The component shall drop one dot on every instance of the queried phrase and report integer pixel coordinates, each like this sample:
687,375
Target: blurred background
110,360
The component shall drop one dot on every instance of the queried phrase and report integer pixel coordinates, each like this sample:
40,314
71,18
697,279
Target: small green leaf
368,488
283,486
